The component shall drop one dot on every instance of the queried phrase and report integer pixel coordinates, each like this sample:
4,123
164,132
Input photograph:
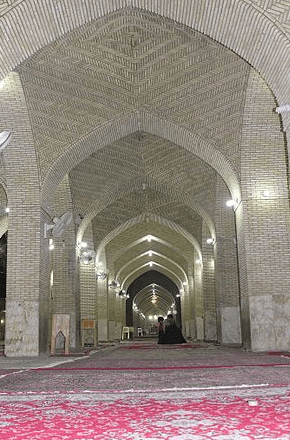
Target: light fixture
7,209
83,244
266,193
114,284
210,241
154,298
1,84
283,108
151,264
123,294
51,245
101,272
88,257
149,238
232,203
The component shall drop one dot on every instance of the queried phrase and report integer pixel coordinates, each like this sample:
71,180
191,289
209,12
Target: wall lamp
101,272
123,294
114,284
283,109
233,203
88,257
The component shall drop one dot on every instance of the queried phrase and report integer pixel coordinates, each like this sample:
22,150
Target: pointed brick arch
171,192
238,25
128,124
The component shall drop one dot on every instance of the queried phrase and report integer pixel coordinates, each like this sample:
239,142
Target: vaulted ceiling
141,184
134,60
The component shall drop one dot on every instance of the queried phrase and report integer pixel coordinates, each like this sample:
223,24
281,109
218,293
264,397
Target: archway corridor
146,146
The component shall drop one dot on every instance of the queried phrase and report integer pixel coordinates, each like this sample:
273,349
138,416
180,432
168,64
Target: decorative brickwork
142,118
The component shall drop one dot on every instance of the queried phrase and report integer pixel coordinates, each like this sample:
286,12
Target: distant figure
161,330
173,334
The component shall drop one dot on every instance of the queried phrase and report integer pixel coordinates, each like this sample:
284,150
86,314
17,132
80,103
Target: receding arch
100,204
128,124
144,268
157,261
141,218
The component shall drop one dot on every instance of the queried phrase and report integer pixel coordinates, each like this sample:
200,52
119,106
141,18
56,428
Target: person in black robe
173,334
161,330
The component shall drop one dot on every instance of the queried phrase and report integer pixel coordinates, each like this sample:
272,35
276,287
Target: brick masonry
123,108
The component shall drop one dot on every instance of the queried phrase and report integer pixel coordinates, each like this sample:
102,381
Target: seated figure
173,334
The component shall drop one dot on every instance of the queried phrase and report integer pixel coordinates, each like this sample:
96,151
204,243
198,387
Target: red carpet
138,418
138,392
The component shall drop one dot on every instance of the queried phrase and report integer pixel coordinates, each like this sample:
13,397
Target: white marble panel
231,325
22,328
261,310
111,330
118,331
263,338
199,328
187,329
72,330
102,330
192,329
210,327
270,317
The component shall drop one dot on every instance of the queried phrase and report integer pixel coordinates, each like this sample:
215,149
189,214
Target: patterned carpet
124,392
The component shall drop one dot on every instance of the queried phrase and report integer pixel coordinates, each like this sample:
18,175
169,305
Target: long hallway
141,390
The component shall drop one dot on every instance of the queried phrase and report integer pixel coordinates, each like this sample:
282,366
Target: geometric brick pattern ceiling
135,60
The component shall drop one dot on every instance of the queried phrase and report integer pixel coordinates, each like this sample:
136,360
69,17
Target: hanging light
154,297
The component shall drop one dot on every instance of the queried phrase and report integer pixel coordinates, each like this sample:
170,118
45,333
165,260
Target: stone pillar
192,307
119,316
186,312
66,294
102,310
226,270
24,238
211,331
266,221
198,298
